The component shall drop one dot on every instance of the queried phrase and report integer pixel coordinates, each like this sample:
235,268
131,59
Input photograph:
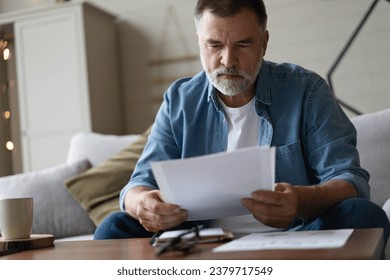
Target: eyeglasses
184,242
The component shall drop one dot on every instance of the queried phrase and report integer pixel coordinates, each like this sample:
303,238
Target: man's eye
214,45
244,45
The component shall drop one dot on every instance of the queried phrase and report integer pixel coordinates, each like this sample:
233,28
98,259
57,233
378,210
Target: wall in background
158,44
14,5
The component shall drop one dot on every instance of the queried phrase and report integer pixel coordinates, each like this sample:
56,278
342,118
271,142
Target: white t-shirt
243,125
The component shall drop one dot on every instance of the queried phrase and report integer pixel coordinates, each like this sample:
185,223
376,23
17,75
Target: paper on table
288,240
212,186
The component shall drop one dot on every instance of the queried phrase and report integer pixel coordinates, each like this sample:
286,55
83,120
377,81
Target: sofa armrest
373,142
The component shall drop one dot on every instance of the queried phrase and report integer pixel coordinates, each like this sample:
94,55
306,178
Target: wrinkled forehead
236,27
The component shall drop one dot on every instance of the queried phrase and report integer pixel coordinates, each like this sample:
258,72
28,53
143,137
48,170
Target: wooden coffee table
363,244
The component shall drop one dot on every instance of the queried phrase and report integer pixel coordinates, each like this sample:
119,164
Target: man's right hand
147,206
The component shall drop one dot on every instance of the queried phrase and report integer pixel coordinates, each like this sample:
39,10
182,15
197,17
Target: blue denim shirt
315,141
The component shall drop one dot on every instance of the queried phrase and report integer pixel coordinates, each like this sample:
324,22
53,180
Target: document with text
212,186
288,240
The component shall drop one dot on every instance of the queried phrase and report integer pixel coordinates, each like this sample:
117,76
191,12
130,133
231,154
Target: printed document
288,240
212,186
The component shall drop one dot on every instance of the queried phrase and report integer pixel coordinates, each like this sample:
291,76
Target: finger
268,197
159,218
159,222
270,215
162,208
281,187
172,222
269,210
278,222
256,207
153,202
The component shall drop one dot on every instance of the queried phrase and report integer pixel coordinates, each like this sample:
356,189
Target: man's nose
228,58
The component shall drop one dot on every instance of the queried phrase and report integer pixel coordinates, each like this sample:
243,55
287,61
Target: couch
71,199
59,210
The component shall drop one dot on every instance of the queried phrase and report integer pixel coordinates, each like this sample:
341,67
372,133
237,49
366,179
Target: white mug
16,218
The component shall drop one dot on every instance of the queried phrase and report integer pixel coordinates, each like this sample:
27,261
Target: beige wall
307,32
13,5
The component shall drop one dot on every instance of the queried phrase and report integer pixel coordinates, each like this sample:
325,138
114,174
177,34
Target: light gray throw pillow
96,147
55,210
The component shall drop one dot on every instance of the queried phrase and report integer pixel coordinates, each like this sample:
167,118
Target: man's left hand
276,208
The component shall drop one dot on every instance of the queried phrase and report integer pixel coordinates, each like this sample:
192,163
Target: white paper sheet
288,240
212,186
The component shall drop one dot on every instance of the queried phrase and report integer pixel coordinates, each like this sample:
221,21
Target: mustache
229,71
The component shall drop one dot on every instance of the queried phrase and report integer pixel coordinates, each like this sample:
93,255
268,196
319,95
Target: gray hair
227,8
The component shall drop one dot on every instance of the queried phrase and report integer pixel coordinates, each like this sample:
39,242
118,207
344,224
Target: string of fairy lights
5,88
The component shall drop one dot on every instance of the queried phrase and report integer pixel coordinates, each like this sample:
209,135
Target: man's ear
265,41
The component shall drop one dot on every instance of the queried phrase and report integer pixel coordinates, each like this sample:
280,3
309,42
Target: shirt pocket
290,164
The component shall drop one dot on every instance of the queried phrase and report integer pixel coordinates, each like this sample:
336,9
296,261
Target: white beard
232,87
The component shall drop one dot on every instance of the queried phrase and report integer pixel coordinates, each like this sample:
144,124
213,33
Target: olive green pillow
97,189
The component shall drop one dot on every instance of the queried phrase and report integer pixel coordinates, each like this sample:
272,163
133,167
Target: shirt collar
212,93
263,90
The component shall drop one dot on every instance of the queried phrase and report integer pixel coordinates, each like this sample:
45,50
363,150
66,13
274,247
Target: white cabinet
67,79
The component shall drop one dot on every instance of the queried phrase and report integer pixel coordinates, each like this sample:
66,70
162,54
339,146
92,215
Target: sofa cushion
373,143
97,189
96,147
55,210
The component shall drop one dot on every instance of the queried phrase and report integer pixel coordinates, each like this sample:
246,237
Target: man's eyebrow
212,41
246,41
243,41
